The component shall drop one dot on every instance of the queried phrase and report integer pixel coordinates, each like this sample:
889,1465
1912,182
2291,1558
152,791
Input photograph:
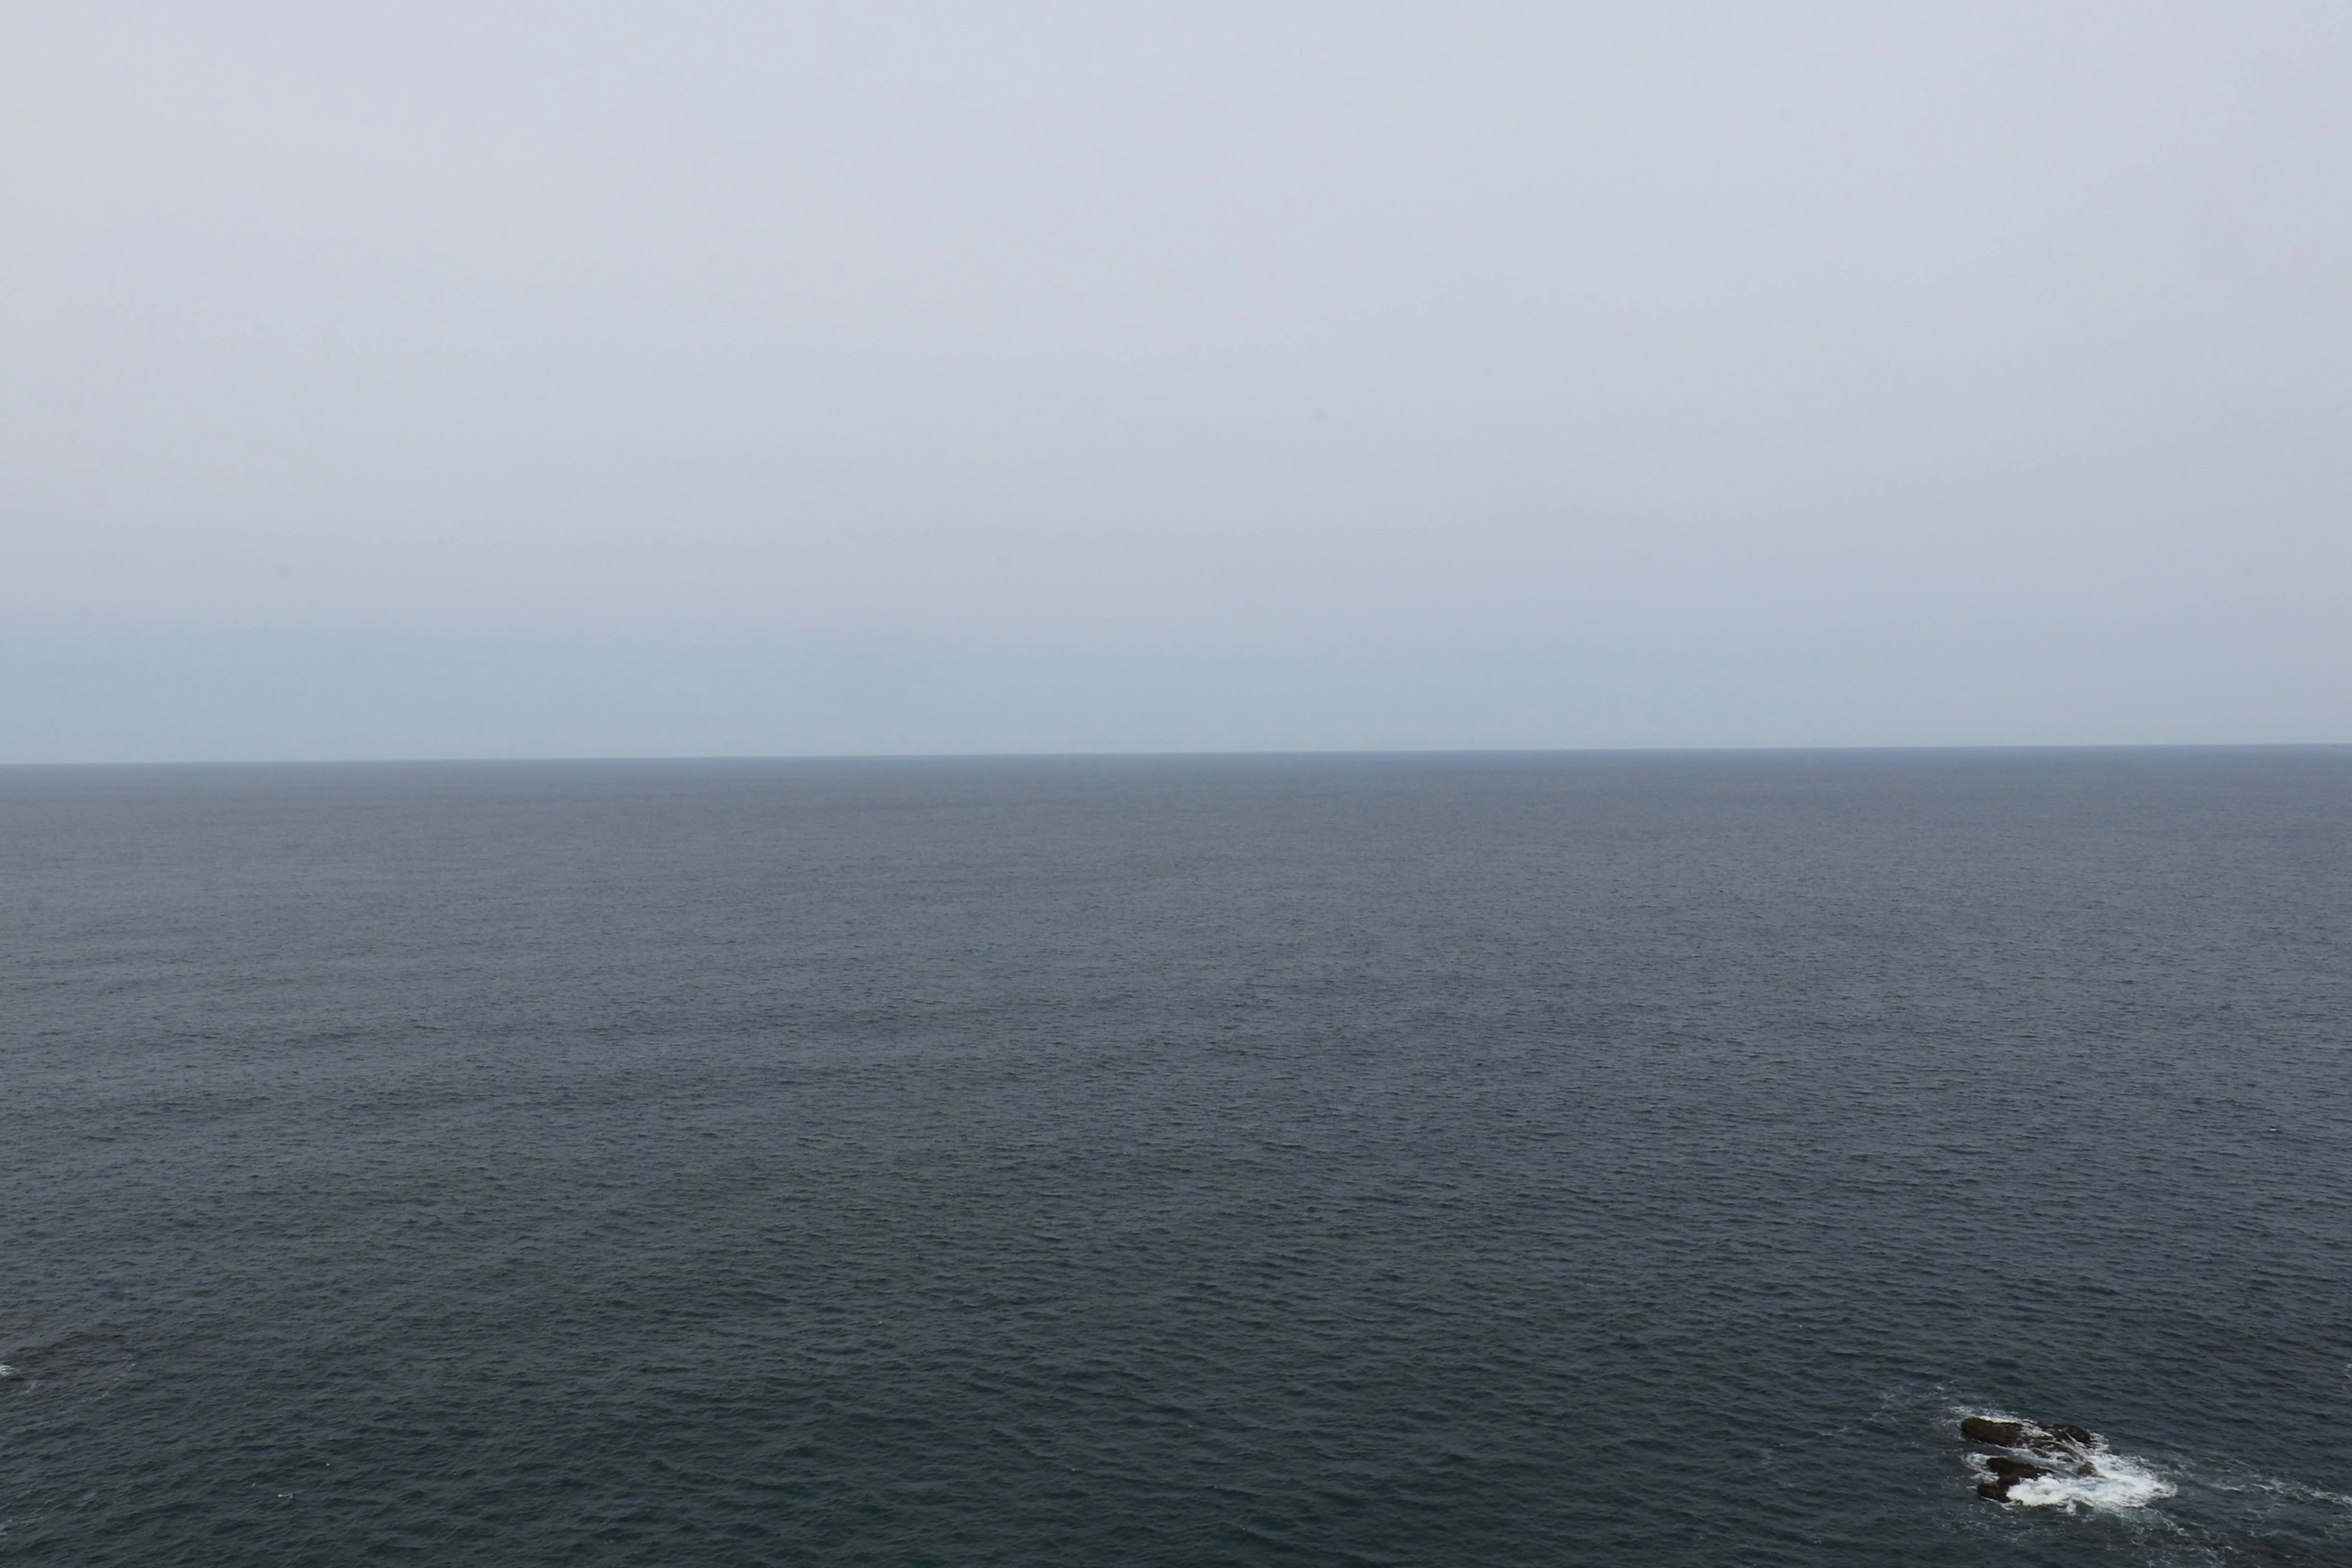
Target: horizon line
1335,752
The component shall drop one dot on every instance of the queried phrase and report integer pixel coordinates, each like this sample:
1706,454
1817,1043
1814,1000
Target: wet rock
2055,1438
2006,1474
2001,1434
1997,1488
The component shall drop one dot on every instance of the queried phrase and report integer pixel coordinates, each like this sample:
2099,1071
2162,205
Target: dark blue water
1626,1160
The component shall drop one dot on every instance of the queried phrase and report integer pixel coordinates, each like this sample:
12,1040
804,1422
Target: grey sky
506,379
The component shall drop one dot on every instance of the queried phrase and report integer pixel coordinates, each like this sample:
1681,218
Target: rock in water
2003,1433
2052,1440
2057,1437
1996,1487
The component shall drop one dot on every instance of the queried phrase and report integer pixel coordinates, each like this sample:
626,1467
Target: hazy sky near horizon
501,378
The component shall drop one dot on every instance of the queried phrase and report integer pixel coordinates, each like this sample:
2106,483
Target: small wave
2293,1491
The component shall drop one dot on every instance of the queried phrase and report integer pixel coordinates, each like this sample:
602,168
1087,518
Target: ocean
1531,1159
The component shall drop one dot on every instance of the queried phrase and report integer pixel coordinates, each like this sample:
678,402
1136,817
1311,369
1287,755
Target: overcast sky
511,379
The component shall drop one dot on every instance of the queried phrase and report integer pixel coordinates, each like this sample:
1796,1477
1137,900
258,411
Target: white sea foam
8,1371
2115,1482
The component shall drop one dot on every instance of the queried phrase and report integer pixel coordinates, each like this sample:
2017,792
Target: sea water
1538,1159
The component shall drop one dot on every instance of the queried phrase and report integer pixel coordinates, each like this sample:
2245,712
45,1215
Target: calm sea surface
1581,1159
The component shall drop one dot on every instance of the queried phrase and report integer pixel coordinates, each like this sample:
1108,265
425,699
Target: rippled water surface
1619,1160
